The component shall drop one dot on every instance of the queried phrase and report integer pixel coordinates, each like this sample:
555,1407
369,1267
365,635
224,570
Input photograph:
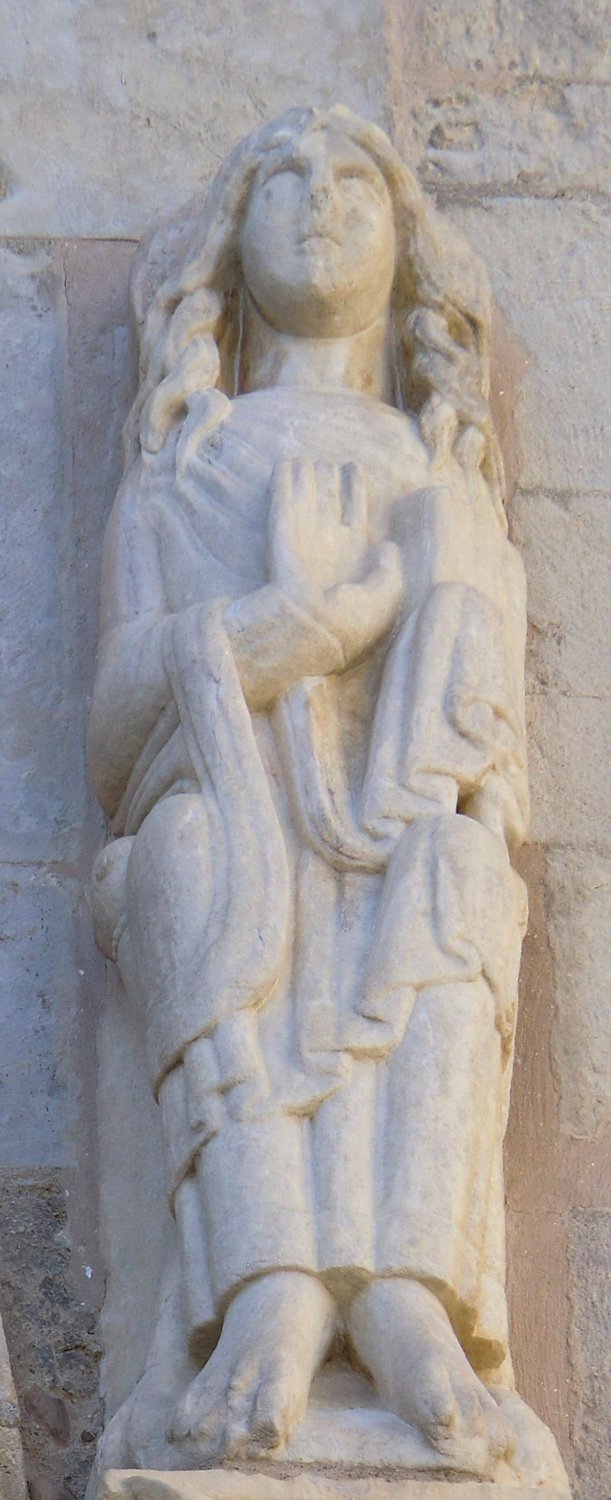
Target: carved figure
307,730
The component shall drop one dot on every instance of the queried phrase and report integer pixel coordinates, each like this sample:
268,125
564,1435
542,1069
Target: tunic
324,939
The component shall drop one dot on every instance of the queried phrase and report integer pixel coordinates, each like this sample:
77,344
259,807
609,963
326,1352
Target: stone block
549,266
579,907
565,545
112,114
40,1018
218,1484
567,741
527,136
514,37
40,810
96,280
590,1348
51,1328
97,380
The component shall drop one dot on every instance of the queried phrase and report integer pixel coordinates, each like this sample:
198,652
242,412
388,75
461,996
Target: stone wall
111,114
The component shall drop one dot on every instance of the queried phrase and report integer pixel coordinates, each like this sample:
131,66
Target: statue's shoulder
265,407
341,426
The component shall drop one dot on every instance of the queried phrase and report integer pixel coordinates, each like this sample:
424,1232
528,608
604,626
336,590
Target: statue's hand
361,614
317,527
319,553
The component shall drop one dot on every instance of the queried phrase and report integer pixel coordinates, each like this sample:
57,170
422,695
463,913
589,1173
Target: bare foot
135,1437
256,1384
403,1336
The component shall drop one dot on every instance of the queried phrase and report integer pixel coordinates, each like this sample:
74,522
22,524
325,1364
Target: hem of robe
253,1195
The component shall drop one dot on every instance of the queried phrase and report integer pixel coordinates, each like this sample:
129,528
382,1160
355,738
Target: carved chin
325,296
321,273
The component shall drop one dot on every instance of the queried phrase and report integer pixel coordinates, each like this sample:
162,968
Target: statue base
346,1447
226,1484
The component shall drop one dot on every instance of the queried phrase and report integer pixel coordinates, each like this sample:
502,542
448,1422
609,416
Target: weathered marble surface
308,734
221,1485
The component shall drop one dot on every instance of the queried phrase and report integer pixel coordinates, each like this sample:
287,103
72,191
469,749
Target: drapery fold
242,939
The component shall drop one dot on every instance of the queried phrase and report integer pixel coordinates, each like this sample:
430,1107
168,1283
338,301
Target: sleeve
131,685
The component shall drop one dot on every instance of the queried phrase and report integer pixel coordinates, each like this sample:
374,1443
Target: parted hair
190,331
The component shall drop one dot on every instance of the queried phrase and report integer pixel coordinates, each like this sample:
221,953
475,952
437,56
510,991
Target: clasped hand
320,556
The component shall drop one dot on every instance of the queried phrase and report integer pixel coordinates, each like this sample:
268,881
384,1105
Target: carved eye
360,180
285,169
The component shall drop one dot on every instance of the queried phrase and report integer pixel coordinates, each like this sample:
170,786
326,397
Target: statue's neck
360,363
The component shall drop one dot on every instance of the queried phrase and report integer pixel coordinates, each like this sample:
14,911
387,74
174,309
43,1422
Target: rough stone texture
136,108
50,1329
502,97
555,314
96,396
565,543
38,969
40,812
590,1348
515,36
567,742
579,887
62,317
112,114
220,1485
526,136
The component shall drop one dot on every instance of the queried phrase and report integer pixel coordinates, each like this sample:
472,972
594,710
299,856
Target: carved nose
320,194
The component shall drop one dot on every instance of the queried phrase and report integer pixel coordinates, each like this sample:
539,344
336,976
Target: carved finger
355,497
282,485
280,527
469,449
328,490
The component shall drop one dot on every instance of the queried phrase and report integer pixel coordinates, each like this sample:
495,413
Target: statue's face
318,240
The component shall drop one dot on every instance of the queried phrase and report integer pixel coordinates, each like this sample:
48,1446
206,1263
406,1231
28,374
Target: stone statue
308,733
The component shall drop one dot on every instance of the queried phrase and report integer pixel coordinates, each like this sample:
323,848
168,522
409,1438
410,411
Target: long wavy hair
190,326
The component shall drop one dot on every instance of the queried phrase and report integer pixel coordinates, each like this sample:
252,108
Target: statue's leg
255,1387
278,1326
170,895
404,1337
442,1129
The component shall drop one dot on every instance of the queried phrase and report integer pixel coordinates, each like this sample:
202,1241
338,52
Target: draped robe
323,938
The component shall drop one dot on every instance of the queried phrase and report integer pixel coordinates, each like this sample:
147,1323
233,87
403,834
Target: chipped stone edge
223,1484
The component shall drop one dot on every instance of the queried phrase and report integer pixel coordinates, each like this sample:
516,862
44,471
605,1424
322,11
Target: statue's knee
176,825
108,894
454,837
172,824
173,851
170,818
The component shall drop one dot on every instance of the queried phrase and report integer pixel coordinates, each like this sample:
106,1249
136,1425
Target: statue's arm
502,802
131,685
276,643
331,598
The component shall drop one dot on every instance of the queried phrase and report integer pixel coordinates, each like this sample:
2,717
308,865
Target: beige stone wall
112,113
